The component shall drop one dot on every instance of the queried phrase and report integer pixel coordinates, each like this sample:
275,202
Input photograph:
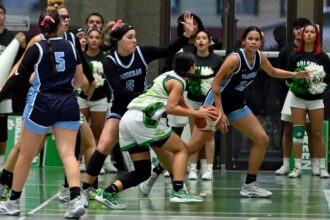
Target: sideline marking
39,207
327,196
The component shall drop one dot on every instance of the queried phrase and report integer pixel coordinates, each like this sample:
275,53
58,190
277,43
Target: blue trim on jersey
209,99
123,65
112,58
141,55
74,50
34,127
239,113
36,81
114,115
70,125
145,63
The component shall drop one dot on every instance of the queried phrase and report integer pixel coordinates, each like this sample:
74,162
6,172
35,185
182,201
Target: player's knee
298,134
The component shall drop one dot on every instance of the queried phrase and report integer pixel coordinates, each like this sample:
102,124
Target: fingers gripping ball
208,124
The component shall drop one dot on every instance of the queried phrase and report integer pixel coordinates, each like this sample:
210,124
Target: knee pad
298,133
95,163
141,173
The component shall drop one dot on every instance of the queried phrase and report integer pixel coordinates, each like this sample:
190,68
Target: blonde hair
105,33
54,4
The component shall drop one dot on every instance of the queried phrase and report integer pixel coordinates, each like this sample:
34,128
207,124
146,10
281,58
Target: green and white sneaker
183,196
92,193
108,199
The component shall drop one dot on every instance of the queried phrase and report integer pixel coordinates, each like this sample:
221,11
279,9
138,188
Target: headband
119,30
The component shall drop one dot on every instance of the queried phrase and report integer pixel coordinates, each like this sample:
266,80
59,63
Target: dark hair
76,30
89,30
182,62
48,23
279,34
248,30
118,30
317,44
300,23
3,8
94,14
210,41
180,29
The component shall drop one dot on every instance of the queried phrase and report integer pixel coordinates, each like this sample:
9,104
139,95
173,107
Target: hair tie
116,25
47,18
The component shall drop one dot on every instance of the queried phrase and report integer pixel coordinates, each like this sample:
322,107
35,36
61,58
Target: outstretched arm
280,73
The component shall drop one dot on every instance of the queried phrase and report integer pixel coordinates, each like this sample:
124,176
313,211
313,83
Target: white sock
297,163
286,161
2,158
203,164
322,163
209,166
108,159
193,166
315,162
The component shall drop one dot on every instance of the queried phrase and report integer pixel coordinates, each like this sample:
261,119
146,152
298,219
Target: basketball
208,125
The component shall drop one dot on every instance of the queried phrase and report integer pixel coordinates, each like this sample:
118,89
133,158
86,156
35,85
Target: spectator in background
309,101
94,20
95,108
279,34
286,111
6,106
205,60
80,34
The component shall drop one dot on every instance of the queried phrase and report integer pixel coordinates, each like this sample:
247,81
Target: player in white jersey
144,125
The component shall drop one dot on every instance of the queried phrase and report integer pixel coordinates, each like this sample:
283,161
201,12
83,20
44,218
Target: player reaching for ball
144,125
208,124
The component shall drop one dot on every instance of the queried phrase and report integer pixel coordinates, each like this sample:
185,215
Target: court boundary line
327,196
39,207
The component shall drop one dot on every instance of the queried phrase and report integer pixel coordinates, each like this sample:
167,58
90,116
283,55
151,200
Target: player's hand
188,24
91,89
21,39
223,124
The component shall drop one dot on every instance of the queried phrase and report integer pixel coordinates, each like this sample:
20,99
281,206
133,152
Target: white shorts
286,114
306,104
100,105
195,105
134,131
177,121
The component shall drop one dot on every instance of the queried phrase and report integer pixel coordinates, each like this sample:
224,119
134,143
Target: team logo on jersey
159,132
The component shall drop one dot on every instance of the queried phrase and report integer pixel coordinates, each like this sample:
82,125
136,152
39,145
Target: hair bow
117,24
47,18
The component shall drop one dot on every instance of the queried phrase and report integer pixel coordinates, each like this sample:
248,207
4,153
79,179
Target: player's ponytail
48,23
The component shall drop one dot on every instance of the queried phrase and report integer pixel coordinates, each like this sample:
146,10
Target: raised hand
188,24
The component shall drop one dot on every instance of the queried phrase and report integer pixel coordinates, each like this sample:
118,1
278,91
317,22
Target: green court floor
304,198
